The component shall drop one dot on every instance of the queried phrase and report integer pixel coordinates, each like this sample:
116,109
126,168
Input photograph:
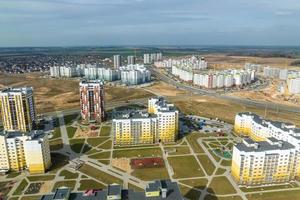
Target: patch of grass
70,184
265,188
70,118
207,164
68,175
105,162
189,193
21,187
101,176
56,133
90,184
150,174
102,155
221,186
135,188
217,158
41,178
91,151
106,145
192,139
56,144
71,131
36,197
96,141
185,167
280,195
86,148
199,183
105,131
14,198
177,150
220,171
226,162
132,153
211,197
59,160
13,174
76,145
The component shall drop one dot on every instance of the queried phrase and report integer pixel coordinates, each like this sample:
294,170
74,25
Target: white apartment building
134,74
294,85
272,155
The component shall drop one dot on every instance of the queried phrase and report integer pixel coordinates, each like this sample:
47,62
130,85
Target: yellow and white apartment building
160,124
270,155
17,109
19,151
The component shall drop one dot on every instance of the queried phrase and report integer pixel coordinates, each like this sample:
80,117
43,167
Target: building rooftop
167,191
133,115
249,145
16,90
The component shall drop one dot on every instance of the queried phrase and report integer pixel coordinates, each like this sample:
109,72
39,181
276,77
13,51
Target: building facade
21,151
92,101
130,60
159,124
117,61
17,109
271,155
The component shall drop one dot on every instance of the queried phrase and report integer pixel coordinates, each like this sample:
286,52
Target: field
59,94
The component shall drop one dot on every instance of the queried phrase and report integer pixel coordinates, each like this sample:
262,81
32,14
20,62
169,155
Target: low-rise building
158,190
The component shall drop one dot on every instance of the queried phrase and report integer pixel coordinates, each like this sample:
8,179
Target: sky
149,22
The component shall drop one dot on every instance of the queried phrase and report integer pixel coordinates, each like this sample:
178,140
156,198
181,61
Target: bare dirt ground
122,164
222,61
271,94
46,187
164,89
59,94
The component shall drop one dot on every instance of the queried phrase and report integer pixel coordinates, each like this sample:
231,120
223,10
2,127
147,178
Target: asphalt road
243,101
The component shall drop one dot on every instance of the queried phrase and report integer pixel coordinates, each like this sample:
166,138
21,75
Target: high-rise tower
92,101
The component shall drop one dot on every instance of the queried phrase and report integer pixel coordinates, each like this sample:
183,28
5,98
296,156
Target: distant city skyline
149,22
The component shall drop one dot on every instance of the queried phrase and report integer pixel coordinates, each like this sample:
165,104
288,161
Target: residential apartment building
17,109
92,101
19,151
271,155
160,124
117,61
130,60
158,190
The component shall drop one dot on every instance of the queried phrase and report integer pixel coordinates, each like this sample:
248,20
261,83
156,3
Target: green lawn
35,197
59,160
221,185
211,197
13,174
56,133
41,178
132,153
90,184
76,145
96,141
199,183
151,174
106,145
21,187
102,155
86,148
70,118
100,175
185,167
192,139
207,164
5,187
105,162
189,193
220,171
105,131
177,150
280,195
71,131
56,144
68,175
70,184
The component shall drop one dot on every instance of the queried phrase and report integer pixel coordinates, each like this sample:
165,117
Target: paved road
248,102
